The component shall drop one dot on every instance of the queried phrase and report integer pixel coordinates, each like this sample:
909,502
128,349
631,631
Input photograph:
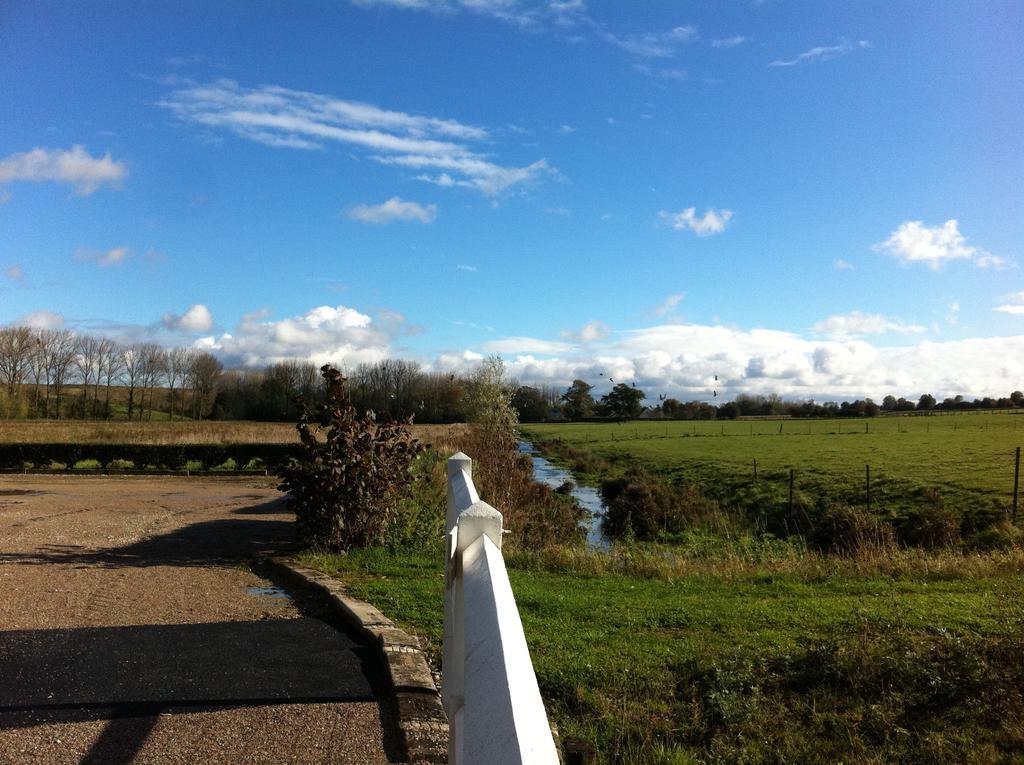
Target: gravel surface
132,630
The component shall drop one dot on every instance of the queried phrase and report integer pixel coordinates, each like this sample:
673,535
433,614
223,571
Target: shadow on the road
131,675
208,543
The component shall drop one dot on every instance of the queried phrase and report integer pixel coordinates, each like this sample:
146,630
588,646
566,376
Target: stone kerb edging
417,703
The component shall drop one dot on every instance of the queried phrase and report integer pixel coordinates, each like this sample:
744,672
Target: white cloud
392,210
589,332
668,305
74,166
842,265
913,242
856,323
566,129
728,42
562,212
525,345
682,360
1015,305
282,117
325,334
712,222
114,257
42,320
822,53
468,268
15,273
196,319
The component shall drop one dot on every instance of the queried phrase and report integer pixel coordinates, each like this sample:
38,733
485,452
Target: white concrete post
504,720
495,712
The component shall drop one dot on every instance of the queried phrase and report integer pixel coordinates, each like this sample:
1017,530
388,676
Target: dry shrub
345,488
933,526
644,507
848,530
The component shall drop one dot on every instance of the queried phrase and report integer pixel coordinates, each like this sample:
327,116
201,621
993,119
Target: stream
551,475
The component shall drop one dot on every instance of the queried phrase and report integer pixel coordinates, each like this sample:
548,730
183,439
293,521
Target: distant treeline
58,374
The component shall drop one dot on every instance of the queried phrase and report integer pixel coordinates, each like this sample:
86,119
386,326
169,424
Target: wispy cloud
652,44
15,273
566,129
855,324
510,11
1014,305
103,259
822,53
560,15
196,319
468,268
914,242
394,209
728,42
589,332
842,265
525,345
660,73
281,117
668,305
74,166
712,222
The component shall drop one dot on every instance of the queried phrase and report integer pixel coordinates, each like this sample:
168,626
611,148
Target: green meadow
968,458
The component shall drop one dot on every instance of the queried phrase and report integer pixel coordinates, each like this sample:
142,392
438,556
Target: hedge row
168,456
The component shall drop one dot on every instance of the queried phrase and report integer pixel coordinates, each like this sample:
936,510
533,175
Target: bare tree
152,371
204,372
113,365
175,365
38,370
88,360
15,358
132,365
62,352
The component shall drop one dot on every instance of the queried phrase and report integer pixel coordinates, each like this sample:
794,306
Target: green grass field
743,665
968,458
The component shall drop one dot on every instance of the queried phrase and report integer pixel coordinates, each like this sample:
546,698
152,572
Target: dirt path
133,631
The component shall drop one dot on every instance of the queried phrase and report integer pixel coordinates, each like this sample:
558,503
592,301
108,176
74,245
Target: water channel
588,497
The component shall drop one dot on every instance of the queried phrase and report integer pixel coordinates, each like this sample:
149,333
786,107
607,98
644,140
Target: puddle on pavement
268,592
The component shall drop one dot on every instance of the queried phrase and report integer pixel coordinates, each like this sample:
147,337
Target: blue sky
812,199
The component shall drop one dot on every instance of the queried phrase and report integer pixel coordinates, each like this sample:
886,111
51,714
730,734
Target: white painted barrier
488,686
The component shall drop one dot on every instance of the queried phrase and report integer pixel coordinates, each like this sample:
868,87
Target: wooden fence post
1016,483
867,485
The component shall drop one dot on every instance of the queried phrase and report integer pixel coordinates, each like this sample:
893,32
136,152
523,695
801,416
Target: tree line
58,374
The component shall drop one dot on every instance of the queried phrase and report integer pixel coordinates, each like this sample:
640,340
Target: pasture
967,457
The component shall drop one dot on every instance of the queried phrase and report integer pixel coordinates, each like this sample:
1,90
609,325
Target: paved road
133,631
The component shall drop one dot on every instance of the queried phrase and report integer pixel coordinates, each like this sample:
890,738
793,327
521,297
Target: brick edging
422,723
